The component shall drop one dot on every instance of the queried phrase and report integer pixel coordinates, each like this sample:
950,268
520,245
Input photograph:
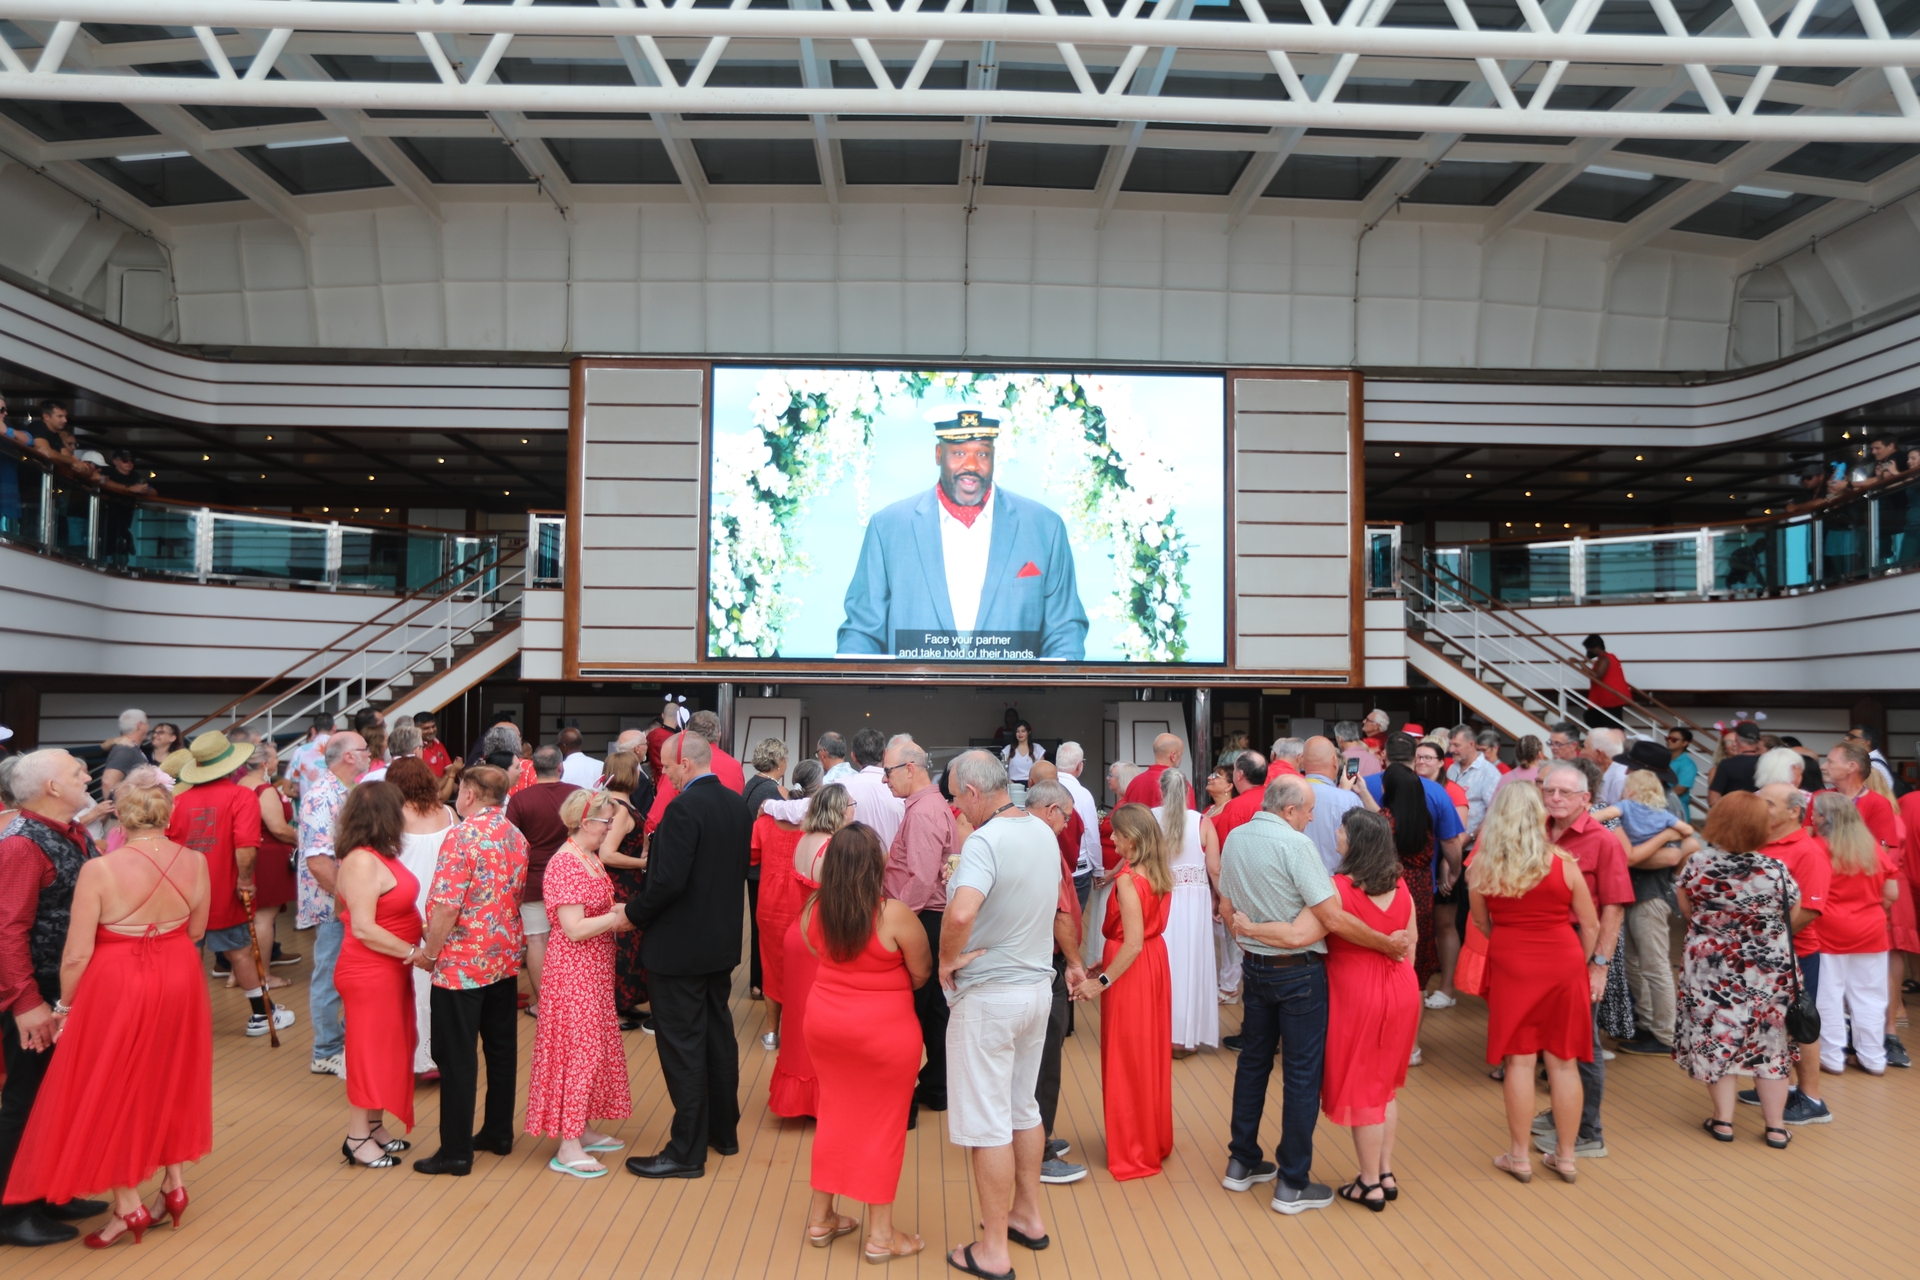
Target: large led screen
967,515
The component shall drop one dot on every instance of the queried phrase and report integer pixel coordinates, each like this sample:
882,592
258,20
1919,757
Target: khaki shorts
995,1034
533,919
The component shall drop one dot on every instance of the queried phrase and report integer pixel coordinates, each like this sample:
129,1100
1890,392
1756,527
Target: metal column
1202,731
723,707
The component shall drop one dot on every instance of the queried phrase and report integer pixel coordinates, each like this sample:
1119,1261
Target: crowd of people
922,937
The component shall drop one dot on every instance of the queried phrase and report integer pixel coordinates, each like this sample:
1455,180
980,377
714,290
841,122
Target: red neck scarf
965,515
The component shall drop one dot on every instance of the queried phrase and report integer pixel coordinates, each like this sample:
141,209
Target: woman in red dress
864,1039
623,853
133,1004
273,884
579,1063
780,896
377,894
1135,990
1525,894
794,1091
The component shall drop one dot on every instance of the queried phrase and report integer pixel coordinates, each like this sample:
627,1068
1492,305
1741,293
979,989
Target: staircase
1513,672
420,653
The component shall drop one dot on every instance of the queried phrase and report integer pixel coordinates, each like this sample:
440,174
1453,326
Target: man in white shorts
996,964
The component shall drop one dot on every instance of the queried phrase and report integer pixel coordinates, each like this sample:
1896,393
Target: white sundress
1190,954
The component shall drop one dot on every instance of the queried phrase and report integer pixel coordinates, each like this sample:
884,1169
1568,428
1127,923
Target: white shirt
875,805
1090,824
1478,780
1019,767
1613,783
965,550
580,769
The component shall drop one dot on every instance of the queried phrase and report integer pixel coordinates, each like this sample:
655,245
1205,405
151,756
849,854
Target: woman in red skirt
377,895
1527,895
133,1004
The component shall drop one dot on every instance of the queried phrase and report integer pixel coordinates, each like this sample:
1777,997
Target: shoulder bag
1803,1019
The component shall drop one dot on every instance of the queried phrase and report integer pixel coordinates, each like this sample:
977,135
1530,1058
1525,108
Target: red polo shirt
1069,902
1811,867
1603,863
1145,789
1874,811
215,818
436,758
1237,810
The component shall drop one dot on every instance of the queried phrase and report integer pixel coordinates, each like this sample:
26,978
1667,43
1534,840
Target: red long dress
376,1002
1537,994
794,1090
579,1069
1373,1014
864,1042
779,904
273,884
130,1089
1136,1028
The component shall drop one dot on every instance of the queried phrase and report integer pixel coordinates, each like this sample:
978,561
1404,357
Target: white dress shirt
580,769
965,550
1090,828
875,805
1613,783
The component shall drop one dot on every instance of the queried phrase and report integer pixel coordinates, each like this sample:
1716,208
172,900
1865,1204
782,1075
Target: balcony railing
46,508
1846,539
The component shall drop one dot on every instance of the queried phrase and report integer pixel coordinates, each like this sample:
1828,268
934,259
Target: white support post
1577,570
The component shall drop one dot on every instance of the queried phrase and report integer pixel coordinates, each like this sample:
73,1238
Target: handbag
1470,971
1803,1019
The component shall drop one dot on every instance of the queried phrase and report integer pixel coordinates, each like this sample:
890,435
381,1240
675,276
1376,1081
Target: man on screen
967,570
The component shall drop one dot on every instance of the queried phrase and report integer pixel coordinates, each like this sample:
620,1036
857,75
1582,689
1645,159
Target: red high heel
137,1223
175,1202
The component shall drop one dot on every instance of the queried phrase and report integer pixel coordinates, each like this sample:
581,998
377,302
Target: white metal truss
1112,65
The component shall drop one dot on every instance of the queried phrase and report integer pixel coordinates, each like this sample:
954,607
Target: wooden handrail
268,683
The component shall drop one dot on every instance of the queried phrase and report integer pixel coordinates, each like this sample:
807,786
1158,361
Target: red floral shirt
481,871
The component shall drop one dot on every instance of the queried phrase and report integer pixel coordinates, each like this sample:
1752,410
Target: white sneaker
1440,1000
334,1066
257,1022
770,1041
1413,1059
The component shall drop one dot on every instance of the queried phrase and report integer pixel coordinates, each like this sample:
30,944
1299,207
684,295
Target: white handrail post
1577,570
1703,562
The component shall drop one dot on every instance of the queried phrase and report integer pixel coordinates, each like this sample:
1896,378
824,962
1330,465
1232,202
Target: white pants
1856,986
1229,953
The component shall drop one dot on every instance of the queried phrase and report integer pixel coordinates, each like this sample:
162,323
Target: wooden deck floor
274,1198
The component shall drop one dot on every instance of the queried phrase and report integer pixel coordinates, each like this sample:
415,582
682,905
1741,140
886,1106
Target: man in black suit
689,916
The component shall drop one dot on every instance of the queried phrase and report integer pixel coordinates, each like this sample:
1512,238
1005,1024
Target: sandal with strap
1520,1170
893,1250
1390,1185
1568,1169
842,1226
1360,1192
1778,1144
1714,1127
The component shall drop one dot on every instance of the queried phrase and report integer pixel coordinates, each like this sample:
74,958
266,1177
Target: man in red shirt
40,859
1811,866
1249,789
725,768
1285,757
1847,766
220,819
1052,803
1145,789
1602,857
432,750
1609,690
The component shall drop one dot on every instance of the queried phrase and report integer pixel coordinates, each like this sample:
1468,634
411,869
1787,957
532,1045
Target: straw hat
214,757
175,762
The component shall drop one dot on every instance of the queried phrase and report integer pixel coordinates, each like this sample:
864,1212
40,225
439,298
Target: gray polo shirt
1015,861
1273,873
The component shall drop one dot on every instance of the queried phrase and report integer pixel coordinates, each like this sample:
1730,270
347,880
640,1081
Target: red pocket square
1028,570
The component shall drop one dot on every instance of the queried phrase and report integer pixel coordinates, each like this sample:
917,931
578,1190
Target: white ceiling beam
1119,159
649,69
817,73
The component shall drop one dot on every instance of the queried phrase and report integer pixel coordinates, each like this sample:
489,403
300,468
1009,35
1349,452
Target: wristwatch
1104,980
1599,959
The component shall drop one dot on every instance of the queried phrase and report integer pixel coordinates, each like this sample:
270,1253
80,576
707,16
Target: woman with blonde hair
1854,937
579,1063
793,1090
1521,888
132,1013
1134,988
1189,934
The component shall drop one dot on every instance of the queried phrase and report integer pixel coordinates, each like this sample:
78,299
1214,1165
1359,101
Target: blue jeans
1280,1006
323,1002
1593,1085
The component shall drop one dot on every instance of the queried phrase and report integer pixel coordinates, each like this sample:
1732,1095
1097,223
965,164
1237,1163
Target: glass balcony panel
20,498
1521,574
268,549
1663,566
373,559
549,554
426,555
147,538
1843,543
1745,560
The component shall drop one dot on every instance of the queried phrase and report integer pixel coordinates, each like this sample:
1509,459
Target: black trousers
26,1068
1603,717
487,1015
700,1059
930,1006
753,946
1046,1089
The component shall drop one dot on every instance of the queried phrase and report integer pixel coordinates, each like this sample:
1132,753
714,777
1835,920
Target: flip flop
605,1146
972,1268
577,1170
1025,1241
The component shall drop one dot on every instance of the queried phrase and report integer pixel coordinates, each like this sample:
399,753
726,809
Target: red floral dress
579,1062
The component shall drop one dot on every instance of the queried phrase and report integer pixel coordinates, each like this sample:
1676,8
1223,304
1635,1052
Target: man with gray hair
1566,739
536,812
403,740
345,756
1070,759
41,853
1285,756
831,752
123,753
1604,748
916,861
1352,742
1474,775
1052,803
996,966
1271,875
725,769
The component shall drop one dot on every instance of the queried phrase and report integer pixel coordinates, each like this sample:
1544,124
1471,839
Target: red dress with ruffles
779,904
794,1091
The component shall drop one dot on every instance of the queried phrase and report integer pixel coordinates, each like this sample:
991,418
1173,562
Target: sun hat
214,757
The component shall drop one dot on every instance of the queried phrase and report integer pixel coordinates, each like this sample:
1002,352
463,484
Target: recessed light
1529,493
1469,475
1629,495
269,437
206,458
1396,453
1639,457
1509,524
442,461
1689,479
326,508
508,492
525,442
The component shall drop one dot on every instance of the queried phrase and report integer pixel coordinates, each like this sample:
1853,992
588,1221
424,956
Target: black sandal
1392,1192
1714,1126
1781,1144
1364,1189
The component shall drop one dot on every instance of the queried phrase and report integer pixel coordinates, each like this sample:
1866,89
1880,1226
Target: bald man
1333,795
1168,751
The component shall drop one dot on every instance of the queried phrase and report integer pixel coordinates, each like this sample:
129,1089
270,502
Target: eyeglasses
608,821
887,772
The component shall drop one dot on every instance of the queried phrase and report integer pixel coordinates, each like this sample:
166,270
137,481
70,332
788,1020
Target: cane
253,939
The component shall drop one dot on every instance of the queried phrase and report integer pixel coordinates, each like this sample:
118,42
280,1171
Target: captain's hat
955,423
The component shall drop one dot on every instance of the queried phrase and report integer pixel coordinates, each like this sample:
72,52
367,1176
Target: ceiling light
1768,511
1469,475
508,492
442,461
326,508
305,142
1765,193
1629,495
1639,457
1689,479
1846,435
205,458
1606,172
269,437
1396,453
152,155
1566,526
369,477
1536,524
525,442
1529,493
1509,524
263,475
